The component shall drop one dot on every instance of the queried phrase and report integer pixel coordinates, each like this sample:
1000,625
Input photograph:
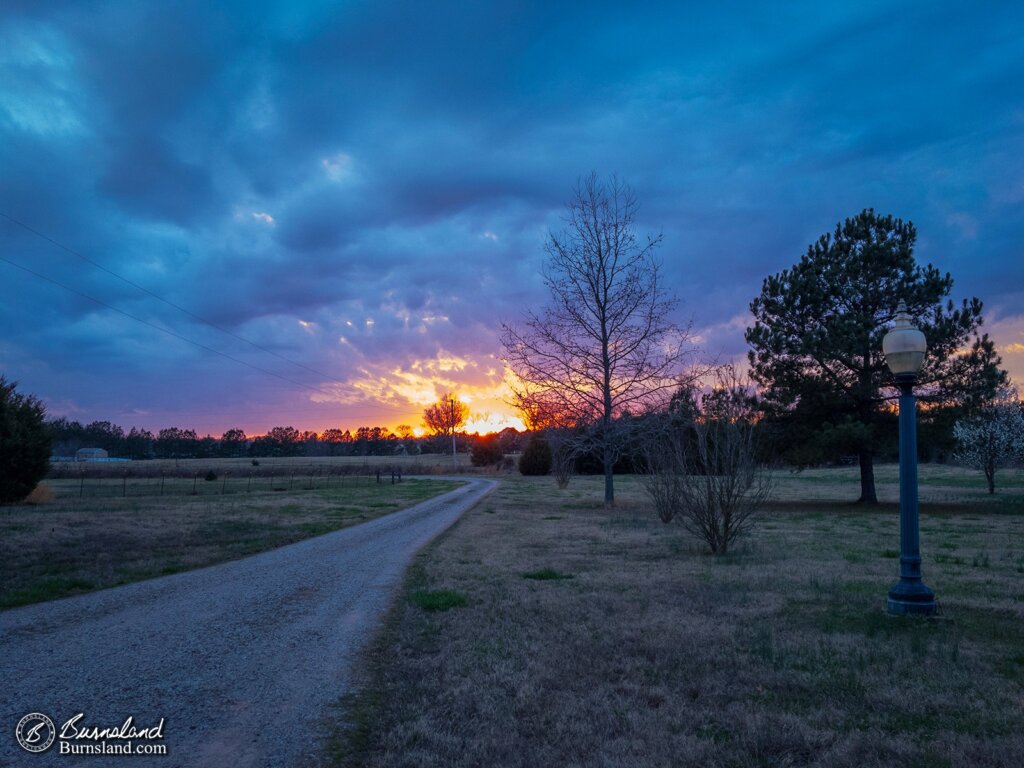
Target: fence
210,483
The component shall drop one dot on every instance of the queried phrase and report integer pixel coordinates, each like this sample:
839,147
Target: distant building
91,454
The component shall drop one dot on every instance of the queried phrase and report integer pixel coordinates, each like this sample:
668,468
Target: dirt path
241,660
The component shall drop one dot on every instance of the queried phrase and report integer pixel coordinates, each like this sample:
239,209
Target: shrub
563,455
211,476
24,443
705,473
536,459
486,451
255,462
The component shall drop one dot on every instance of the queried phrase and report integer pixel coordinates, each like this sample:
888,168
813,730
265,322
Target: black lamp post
904,347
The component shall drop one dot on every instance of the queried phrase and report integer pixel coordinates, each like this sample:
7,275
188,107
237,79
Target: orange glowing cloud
399,394
1008,335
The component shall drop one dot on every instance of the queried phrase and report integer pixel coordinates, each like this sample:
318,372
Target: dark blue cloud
386,173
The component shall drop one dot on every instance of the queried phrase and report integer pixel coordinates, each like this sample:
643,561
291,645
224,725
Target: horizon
282,214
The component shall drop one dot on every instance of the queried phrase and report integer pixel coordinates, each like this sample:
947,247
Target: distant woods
176,443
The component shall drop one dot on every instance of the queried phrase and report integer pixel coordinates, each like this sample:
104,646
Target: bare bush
563,455
704,472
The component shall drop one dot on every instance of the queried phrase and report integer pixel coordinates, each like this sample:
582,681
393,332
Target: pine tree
816,342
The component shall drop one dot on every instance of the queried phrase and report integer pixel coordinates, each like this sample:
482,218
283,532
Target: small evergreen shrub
536,459
486,452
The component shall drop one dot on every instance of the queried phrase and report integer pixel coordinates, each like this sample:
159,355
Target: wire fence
89,485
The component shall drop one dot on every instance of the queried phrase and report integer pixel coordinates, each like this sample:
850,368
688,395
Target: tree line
68,436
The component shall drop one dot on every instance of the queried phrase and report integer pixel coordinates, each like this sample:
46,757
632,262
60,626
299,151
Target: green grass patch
45,589
438,600
547,574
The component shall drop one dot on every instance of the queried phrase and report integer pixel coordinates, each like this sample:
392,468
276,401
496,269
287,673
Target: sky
320,214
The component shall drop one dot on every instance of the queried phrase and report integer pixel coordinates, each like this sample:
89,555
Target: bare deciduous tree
606,344
446,416
704,472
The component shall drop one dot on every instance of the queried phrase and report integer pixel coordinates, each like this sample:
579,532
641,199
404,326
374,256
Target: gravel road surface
242,660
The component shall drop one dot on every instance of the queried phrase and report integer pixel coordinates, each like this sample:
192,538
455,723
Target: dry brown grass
41,494
75,545
656,654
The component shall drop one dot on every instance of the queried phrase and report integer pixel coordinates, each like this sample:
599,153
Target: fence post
248,485
195,481
223,483
124,486
161,482
81,488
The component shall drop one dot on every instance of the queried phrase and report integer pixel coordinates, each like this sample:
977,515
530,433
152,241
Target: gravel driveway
242,660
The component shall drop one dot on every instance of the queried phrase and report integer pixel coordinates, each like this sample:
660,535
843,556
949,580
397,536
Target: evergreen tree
536,459
816,342
24,443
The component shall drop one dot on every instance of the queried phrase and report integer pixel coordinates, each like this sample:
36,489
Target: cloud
337,167
269,164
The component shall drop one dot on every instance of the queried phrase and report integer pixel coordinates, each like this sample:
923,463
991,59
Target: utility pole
451,421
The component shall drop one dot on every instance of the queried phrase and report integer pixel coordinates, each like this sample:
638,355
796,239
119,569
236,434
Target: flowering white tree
993,438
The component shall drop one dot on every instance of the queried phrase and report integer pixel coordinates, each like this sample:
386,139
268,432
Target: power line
177,335
163,300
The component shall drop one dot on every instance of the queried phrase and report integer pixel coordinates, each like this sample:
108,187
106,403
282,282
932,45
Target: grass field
545,630
77,544
239,469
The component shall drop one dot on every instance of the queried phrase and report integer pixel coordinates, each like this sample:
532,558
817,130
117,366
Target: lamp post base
911,600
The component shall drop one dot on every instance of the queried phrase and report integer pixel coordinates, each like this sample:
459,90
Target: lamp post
904,347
